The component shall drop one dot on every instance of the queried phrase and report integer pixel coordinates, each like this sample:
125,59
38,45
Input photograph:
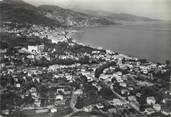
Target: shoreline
130,56
119,53
77,36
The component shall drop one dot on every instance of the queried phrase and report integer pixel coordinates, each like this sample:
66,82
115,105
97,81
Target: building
35,49
151,100
157,107
59,97
41,111
53,110
78,92
132,98
149,111
5,112
18,85
99,106
32,49
123,84
37,102
88,108
118,102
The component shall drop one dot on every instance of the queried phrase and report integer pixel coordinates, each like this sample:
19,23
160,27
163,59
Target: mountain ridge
73,18
20,11
117,16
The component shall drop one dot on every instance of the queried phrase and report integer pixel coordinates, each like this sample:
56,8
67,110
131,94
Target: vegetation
21,12
100,69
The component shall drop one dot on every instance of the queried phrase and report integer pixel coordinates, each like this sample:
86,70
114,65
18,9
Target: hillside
115,17
47,73
72,18
22,12
128,17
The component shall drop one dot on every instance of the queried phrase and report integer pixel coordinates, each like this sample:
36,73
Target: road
130,103
75,96
73,103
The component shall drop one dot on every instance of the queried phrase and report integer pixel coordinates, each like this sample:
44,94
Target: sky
159,9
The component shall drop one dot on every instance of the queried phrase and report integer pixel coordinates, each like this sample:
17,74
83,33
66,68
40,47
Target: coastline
101,55
59,62
79,34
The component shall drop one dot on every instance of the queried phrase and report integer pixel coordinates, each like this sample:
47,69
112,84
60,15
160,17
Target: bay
151,41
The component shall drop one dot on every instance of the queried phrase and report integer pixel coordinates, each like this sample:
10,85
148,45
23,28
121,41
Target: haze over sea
143,40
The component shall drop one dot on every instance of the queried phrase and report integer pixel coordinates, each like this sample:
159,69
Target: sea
149,40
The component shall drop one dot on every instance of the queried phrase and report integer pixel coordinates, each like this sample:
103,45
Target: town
45,72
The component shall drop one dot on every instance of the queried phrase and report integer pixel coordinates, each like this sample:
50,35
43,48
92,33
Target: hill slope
22,12
72,18
128,17
116,16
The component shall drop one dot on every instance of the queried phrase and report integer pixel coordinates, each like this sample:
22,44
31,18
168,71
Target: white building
35,49
59,97
157,107
118,102
37,102
53,110
123,84
151,100
149,111
99,106
18,85
78,92
32,49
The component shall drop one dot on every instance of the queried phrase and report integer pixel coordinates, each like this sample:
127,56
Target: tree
84,60
143,60
106,93
167,62
100,69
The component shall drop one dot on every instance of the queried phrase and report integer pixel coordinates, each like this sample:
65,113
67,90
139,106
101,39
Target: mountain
72,18
116,17
21,12
128,17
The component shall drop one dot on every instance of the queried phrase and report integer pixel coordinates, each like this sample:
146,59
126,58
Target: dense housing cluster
45,72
